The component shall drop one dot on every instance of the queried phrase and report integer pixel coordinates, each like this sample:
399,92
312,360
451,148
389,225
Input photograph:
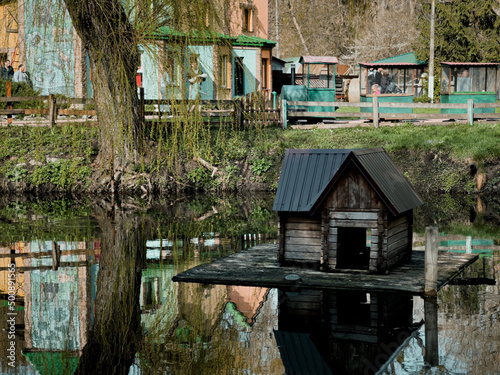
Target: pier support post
431,331
431,260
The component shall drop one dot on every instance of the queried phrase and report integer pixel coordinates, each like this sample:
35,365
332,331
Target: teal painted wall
206,64
478,97
150,72
49,47
250,66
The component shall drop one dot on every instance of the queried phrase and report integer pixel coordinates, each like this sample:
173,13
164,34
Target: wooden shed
344,209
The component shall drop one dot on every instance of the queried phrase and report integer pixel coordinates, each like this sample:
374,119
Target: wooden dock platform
258,266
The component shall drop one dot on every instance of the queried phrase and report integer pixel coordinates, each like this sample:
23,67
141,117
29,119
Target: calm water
91,292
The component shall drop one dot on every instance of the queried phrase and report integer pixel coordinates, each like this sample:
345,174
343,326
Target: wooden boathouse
344,210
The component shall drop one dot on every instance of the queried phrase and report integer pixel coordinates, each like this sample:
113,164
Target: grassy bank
63,158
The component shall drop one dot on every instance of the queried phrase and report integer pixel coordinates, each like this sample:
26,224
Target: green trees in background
465,31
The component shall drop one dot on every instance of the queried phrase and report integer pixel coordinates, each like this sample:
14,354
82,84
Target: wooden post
142,109
470,111
52,110
375,111
237,113
56,256
8,86
283,113
431,260
468,245
431,331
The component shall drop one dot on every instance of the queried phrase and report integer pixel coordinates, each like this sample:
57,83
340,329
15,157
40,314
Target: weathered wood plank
302,233
353,223
77,112
396,244
258,266
398,236
392,230
303,241
301,256
398,221
354,215
302,248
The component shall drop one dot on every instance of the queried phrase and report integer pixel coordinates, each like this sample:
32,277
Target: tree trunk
116,331
297,26
109,39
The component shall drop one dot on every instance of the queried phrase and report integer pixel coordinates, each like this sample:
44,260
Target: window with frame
248,18
11,25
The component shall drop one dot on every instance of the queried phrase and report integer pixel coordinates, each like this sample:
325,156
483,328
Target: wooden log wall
370,219
398,240
302,240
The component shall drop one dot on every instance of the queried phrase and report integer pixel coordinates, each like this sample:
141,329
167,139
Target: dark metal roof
385,177
304,175
308,176
299,354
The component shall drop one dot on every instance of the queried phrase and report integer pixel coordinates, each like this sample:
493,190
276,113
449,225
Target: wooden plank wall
398,240
355,219
302,240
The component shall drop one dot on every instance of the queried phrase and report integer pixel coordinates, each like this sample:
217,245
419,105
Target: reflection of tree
116,331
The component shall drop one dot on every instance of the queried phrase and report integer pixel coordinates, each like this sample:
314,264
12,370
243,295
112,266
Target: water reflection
93,288
327,332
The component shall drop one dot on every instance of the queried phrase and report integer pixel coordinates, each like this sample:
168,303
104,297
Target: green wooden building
398,80
461,81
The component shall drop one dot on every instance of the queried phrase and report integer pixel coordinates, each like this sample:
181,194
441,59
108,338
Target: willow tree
111,32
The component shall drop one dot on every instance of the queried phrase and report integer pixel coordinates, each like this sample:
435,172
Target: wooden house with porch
344,209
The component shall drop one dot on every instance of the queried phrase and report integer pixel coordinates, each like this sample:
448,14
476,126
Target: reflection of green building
463,81
58,307
157,296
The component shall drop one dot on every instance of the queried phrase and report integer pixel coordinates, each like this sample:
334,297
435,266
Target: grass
479,141
25,153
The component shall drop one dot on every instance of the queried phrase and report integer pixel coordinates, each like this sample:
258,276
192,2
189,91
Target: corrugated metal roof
308,176
304,175
319,60
391,185
470,63
405,58
299,354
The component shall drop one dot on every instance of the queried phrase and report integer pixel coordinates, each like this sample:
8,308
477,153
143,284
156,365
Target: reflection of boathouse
348,332
344,209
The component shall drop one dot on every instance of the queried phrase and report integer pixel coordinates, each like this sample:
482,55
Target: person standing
21,76
7,71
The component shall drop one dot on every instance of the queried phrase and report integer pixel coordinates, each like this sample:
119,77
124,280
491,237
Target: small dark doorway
352,249
239,75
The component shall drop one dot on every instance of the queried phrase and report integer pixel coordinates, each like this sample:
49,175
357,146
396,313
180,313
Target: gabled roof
308,176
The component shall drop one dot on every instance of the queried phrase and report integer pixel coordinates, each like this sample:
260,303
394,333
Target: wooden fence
52,109
371,111
255,109
458,243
